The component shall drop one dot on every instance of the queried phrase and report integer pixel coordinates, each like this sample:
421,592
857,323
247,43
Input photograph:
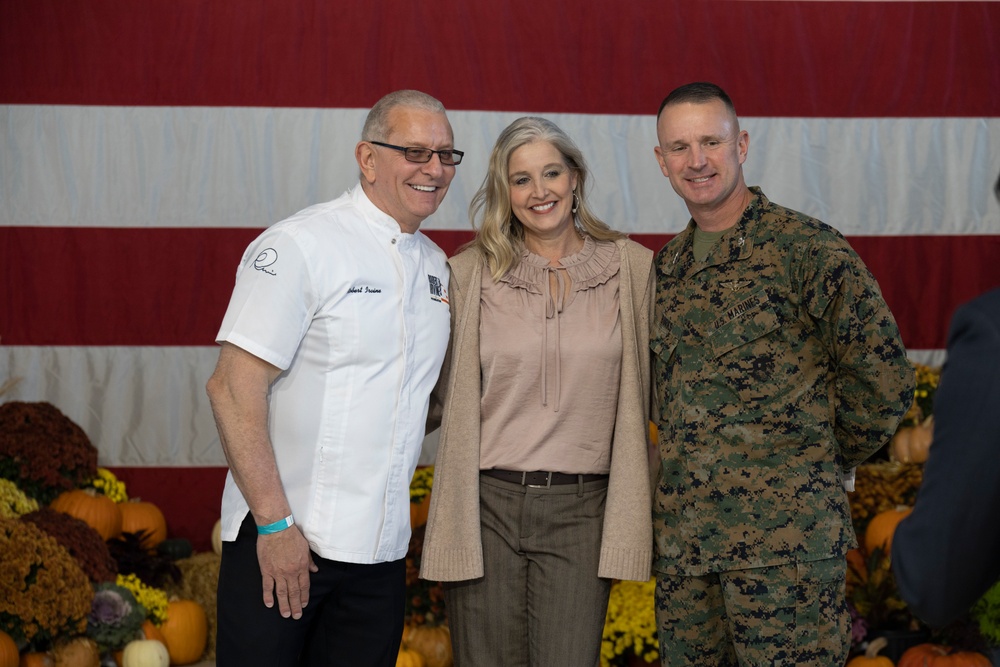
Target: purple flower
859,627
108,608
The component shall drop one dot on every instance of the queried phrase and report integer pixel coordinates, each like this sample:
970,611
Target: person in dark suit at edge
946,553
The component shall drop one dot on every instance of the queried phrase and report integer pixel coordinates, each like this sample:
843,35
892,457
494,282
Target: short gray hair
377,124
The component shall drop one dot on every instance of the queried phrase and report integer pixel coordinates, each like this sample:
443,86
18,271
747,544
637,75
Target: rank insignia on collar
735,284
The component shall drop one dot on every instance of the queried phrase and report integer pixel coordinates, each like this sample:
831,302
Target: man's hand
285,564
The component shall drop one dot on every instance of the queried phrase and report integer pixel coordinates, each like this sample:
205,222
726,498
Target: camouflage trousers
793,614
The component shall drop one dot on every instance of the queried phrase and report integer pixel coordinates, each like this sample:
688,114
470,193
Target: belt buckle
548,481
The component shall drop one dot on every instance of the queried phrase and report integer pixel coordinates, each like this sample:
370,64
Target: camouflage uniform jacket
776,366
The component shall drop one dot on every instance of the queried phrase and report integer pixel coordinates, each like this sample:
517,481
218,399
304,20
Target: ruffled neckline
595,264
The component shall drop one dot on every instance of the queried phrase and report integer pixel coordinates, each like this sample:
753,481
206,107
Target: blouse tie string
553,305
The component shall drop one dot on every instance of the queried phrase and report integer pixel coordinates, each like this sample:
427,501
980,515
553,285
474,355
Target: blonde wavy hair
500,235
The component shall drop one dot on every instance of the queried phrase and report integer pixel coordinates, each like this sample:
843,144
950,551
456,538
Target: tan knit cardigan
452,549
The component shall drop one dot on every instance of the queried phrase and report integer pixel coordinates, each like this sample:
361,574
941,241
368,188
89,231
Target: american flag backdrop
144,143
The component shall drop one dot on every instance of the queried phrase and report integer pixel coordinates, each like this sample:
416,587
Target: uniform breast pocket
748,350
662,344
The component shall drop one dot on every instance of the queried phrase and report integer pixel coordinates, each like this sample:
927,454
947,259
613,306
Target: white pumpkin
145,653
217,537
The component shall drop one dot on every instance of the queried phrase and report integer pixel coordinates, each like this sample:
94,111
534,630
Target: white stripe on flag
249,167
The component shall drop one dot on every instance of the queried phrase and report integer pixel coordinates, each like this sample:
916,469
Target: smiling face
407,191
541,192
701,151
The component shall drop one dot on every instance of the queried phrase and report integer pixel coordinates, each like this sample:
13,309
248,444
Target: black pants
354,617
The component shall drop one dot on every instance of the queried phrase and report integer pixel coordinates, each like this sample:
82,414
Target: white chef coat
355,313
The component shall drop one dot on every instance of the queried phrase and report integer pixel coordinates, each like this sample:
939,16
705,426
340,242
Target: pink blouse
551,362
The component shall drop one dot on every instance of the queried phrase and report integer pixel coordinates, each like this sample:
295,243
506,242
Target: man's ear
660,160
365,155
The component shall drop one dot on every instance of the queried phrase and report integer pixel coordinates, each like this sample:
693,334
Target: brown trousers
540,603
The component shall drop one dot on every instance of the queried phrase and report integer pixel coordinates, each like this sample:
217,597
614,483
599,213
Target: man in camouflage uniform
777,367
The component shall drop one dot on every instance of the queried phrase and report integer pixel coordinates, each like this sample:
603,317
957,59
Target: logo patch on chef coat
265,259
438,290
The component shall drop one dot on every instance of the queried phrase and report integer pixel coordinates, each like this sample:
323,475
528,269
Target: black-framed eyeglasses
416,154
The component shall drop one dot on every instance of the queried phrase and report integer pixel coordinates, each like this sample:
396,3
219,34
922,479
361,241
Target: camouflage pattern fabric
776,366
794,615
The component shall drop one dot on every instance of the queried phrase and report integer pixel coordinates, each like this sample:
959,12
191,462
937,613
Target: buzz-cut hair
699,92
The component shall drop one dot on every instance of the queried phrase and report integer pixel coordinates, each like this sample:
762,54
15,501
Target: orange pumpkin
418,512
934,655
8,651
857,568
409,658
871,658
96,510
141,516
912,444
185,631
150,631
881,528
36,660
77,652
433,642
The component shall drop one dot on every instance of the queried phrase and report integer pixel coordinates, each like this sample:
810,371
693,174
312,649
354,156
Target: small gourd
871,658
145,653
912,444
77,652
175,548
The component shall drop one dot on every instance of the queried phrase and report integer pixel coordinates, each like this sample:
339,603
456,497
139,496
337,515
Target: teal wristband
277,526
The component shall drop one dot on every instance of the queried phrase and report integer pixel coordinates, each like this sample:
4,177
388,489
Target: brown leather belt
541,479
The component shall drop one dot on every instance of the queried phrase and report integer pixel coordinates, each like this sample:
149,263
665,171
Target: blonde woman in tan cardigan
541,487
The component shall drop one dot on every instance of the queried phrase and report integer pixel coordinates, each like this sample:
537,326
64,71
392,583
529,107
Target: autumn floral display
44,595
82,542
630,626
882,488
43,451
13,502
115,617
153,600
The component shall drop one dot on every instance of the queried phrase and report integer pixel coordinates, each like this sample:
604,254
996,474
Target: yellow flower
926,380
630,627
153,599
13,502
109,485
420,485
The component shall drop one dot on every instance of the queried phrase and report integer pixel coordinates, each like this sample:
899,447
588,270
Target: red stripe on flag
170,286
812,59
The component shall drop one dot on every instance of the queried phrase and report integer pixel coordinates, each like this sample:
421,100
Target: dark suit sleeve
946,554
